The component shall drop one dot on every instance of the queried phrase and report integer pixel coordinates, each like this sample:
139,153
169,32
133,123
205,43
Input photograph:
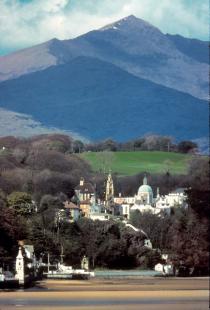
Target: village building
124,204
72,211
121,207
174,199
98,211
144,201
85,193
109,193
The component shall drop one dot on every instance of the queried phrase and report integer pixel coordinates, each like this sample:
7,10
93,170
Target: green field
131,163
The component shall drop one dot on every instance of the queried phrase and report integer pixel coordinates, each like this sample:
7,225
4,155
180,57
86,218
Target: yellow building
85,193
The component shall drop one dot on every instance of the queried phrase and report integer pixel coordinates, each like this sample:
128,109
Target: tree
157,143
199,201
138,143
48,208
198,173
89,233
156,228
105,160
20,155
56,142
187,147
12,229
190,245
3,199
78,146
21,203
109,145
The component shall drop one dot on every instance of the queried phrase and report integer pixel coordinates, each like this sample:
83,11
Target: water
125,273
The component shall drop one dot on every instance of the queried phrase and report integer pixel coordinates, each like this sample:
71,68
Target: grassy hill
131,163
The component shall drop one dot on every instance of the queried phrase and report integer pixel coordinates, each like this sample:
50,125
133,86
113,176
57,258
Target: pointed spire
20,255
109,193
145,180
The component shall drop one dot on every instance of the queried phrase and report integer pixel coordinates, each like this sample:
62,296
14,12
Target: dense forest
39,173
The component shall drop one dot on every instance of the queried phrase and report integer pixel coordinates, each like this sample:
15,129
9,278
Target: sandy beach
123,294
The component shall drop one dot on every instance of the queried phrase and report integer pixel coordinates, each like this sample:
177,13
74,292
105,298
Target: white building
174,199
124,203
143,200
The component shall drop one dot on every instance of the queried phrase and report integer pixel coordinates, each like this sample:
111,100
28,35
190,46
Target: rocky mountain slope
132,44
98,100
121,81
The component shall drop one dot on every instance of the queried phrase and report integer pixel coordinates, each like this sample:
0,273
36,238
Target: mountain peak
130,18
129,22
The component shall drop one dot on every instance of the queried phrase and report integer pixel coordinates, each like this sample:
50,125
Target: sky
24,23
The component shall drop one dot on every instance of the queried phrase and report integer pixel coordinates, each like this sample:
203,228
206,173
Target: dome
145,193
145,189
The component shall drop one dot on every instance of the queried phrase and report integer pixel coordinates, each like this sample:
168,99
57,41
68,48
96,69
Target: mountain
131,44
98,100
121,81
193,48
31,59
18,124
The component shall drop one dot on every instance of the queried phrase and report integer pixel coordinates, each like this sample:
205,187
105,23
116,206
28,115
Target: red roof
70,205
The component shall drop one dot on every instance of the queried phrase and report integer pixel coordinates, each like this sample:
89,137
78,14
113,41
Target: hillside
131,163
98,100
195,49
12,124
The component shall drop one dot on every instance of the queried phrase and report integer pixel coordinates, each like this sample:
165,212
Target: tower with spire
109,193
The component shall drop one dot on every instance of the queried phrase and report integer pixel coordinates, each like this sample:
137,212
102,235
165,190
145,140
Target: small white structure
164,256
100,216
64,269
85,263
148,243
164,269
20,276
2,276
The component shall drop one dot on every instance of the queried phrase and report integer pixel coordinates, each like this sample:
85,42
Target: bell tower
109,194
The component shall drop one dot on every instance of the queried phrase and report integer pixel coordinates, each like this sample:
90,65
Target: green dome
145,189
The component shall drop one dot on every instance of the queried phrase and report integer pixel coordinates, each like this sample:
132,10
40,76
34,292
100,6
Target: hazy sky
28,22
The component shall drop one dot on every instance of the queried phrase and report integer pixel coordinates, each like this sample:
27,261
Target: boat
67,272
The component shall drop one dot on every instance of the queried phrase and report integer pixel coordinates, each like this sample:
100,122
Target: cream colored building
142,201
175,199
